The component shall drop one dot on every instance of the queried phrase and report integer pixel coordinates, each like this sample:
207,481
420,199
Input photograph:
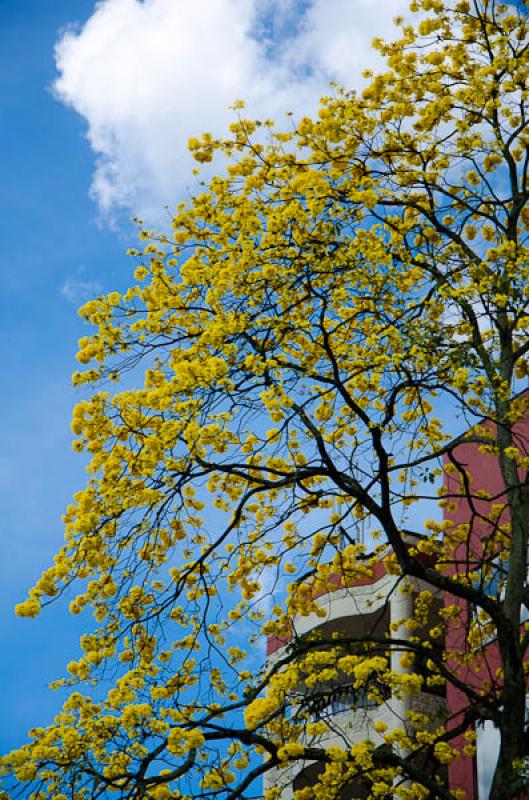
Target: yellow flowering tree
330,321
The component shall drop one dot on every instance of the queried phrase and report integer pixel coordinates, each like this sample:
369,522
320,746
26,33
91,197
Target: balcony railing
345,697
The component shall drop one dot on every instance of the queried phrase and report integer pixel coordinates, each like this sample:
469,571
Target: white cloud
147,75
336,36
77,289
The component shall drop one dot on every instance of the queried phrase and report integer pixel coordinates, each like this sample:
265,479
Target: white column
401,610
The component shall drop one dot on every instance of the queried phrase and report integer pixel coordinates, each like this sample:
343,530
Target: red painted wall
485,474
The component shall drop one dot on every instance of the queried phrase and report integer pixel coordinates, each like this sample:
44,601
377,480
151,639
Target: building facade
376,605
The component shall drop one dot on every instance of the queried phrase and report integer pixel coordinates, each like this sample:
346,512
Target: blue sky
49,241
90,132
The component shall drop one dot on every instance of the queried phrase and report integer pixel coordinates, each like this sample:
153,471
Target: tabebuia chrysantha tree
330,323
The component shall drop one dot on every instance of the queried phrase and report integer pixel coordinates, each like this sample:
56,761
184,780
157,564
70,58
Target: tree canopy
332,318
